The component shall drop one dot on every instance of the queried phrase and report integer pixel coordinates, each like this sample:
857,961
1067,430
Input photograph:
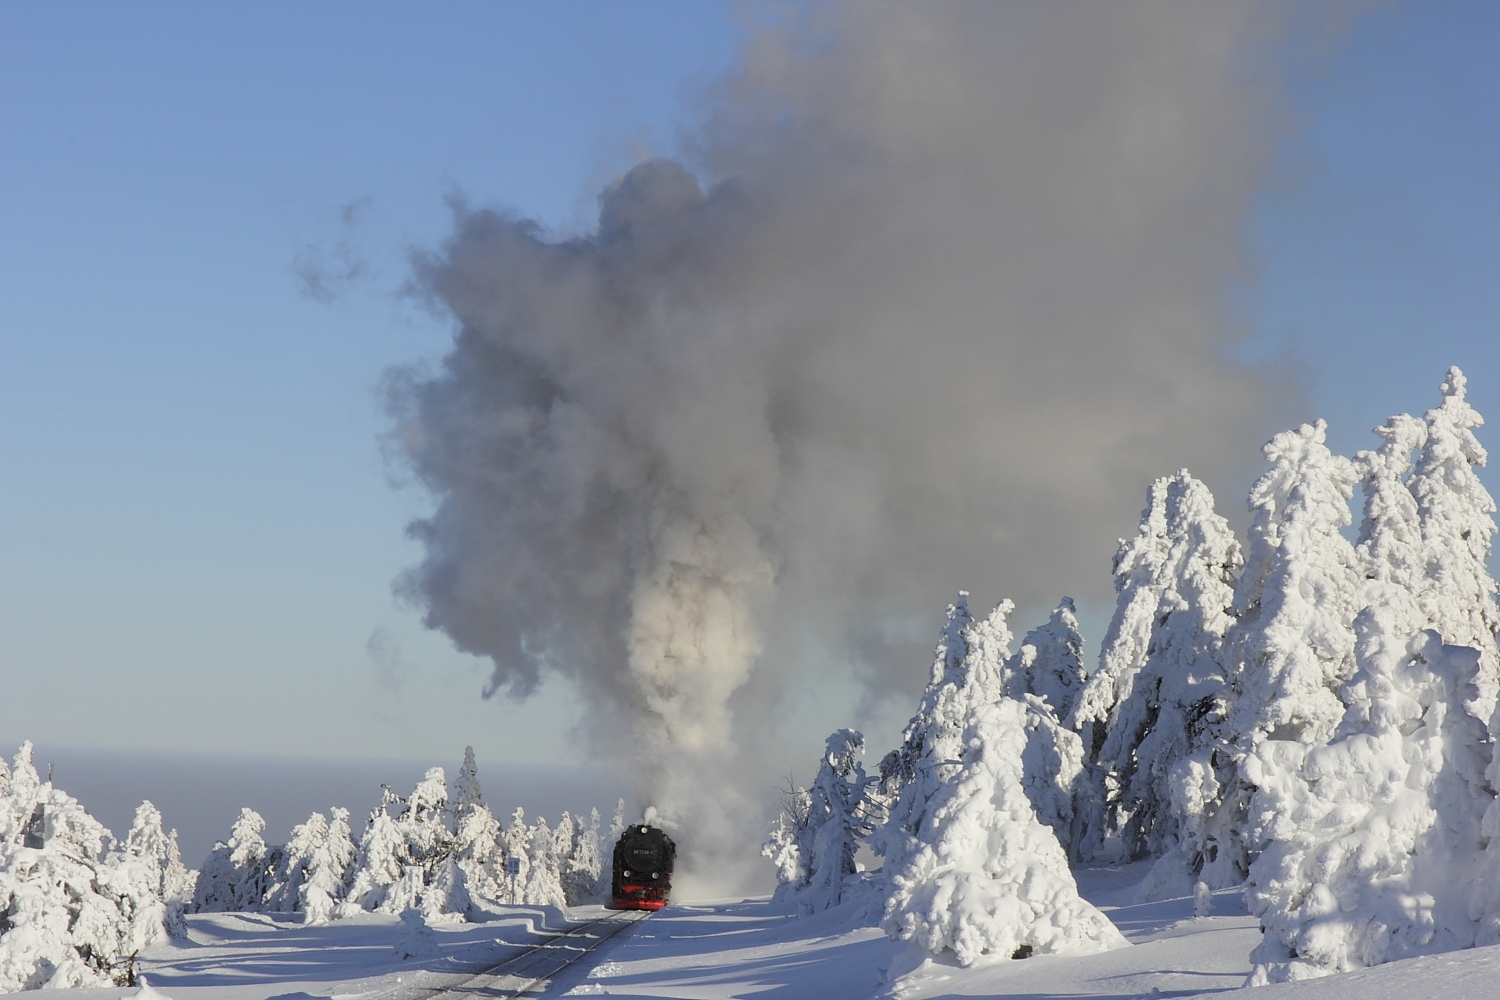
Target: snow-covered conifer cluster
1314,718
76,905
431,851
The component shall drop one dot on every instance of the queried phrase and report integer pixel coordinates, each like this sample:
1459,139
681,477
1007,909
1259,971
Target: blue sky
199,531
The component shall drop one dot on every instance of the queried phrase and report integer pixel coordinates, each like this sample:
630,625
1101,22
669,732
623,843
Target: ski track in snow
720,949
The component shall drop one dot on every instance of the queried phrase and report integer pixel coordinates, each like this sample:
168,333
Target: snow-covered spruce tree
1292,649
446,897
476,831
425,822
1367,839
515,842
931,739
1294,644
381,860
1140,577
829,836
172,882
607,850
1166,736
543,877
987,880
70,916
784,847
328,868
1049,662
584,865
292,863
233,877
1457,517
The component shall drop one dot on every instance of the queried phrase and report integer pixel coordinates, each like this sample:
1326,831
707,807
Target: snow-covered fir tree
1140,577
931,740
543,875
233,877
328,870
584,866
1296,600
815,840
515,842
784,847
1457,518
987,880
1167,736
1366,838
172,881
381,860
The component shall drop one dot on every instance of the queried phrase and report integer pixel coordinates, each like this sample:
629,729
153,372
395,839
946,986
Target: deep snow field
754,948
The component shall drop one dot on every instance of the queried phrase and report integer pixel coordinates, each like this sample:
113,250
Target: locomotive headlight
653,874
627,873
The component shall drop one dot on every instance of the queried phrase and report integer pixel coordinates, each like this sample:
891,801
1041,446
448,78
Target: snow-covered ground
743,948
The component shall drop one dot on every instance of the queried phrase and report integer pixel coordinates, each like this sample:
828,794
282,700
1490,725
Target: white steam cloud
939,296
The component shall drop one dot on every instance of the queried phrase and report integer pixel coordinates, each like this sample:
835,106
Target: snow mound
414,939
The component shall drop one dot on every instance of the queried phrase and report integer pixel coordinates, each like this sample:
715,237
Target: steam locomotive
644,857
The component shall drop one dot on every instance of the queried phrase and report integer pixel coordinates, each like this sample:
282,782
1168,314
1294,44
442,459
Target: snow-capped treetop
466,792
157,851
246,845
1457,515
1297,597
1049,663
949,655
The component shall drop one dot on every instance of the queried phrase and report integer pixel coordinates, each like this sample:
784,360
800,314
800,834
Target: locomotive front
643,863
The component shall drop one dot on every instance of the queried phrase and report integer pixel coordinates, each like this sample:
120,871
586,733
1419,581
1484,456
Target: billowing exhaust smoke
933,295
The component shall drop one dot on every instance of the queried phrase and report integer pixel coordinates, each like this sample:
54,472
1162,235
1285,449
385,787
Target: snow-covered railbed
725,949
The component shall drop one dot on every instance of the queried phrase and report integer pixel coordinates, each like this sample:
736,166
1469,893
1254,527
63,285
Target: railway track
526,973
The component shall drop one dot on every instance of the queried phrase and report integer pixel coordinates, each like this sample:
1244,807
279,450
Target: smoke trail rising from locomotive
948,293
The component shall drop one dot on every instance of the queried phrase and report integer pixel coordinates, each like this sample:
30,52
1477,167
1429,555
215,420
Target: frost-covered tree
1049,662
1457,518
824,827
1178,699
72,913
327,870
381,860
233,877
1363,840
1140,576
987,879
784,848
172,882
1391,554
1297,598
425,822
476,832
585,863
515,842
292,863
931,740
543,876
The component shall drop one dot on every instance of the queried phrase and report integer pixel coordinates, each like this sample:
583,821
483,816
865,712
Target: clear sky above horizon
200,532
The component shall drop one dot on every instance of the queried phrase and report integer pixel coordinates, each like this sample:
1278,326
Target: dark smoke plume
934,293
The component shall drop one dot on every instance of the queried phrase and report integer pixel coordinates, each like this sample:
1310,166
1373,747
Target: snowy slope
717,950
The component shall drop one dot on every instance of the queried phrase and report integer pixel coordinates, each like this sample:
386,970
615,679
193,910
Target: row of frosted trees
77,905
1313,717
430,851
